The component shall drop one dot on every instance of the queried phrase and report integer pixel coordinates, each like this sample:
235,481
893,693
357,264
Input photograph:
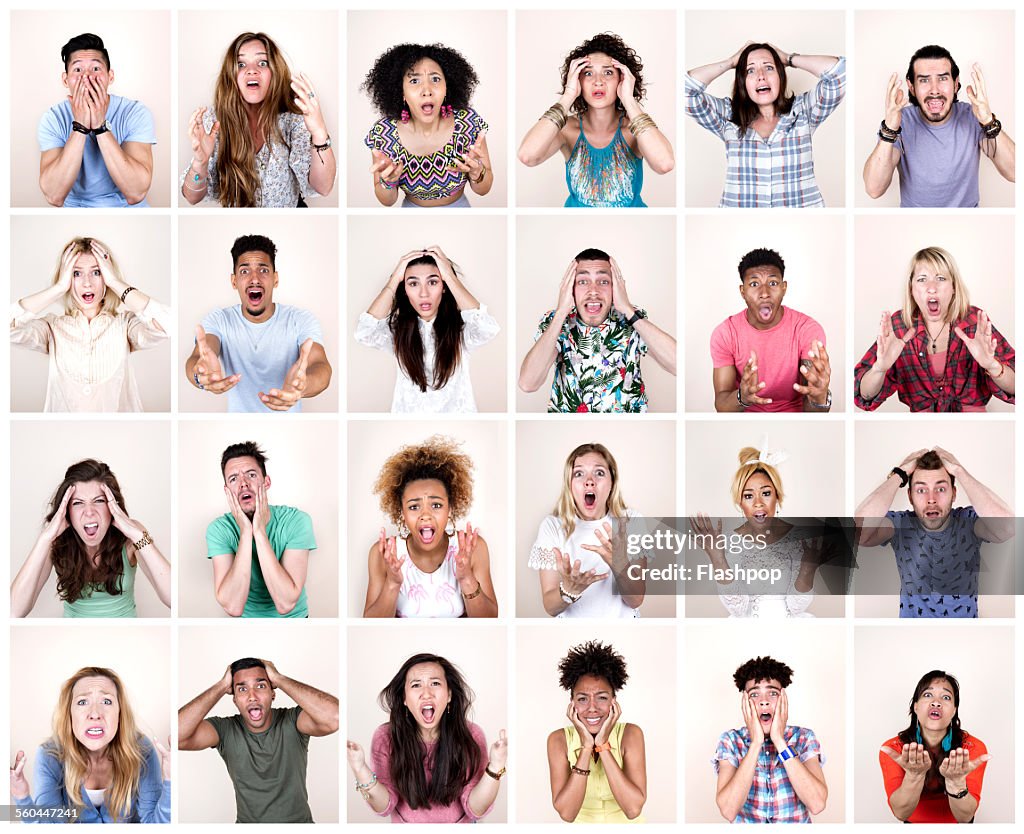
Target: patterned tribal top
608,177
429,177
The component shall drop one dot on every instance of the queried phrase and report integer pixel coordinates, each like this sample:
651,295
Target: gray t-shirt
267,769
262,353
939,164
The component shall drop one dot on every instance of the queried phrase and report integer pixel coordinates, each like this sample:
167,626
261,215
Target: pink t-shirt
779,351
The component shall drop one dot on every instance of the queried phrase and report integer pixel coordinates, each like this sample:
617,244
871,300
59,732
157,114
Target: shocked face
599,81
591,483
932,495
253,695
934,88
87,63
87,285
932,291
427,696
593,291
89,513
243,476
592,698
255,280
425,511
763,290
764,695
762,78
424,288
759,500
424,90
252,71
95,712
935,707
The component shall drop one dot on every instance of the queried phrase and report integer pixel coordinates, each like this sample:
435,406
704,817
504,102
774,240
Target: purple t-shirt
939,164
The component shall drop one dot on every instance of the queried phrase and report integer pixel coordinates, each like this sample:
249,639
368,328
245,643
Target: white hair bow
770,458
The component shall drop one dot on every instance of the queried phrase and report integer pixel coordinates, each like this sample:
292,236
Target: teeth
94,731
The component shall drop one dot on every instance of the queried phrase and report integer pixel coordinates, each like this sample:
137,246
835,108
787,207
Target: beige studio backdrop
372,442
309,273
645,455
302,463
302,651
814,252
713,36
982,246
480,36
375,246
543,39
44,657
141,245
139,44
818,699
309,42
983,446
650,655
376,653
889,660
137,452
644,248
812,482
885,41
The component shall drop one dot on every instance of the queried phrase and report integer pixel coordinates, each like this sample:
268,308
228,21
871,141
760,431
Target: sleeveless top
431,176
599,803
608,177
434,594
96,602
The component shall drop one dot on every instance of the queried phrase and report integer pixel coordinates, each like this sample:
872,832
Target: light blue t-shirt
262,353
130,121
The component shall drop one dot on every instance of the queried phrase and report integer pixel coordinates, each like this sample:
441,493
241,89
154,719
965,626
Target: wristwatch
496,776
904,477
958,794
637,315
103,128
824,406
567,598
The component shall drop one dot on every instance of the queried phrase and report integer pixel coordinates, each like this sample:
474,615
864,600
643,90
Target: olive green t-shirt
267,769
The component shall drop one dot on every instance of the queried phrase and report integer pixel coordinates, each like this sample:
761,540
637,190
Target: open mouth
764,88
427,534
765,312
95,732
246,495
933,513
592,308
91,529
426,307
255,714
88,297
427,712
598,93
590,500
933,306
593,720
427,109
254,295
252,85
935,104
935,714
766,717
760,517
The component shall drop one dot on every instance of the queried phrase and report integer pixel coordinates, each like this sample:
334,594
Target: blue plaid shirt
777,171
771,797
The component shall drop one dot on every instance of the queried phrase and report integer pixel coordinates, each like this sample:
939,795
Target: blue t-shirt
130,121
939,163
262,353
938,569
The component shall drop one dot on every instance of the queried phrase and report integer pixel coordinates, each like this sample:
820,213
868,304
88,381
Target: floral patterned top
283,166
598,367
431,176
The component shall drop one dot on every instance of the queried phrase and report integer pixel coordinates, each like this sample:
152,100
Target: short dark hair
593,658
592,254
762,669
761,257
248,449
933,51
246,663
253,243
87,40
930,461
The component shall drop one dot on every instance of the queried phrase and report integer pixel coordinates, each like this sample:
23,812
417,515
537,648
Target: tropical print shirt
598,367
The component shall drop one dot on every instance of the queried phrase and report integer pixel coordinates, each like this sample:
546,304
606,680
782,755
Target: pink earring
446,111
405,116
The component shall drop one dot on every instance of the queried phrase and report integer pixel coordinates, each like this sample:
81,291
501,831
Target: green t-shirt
288,529
267,769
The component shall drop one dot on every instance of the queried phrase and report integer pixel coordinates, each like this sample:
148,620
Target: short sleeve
221,537
710,112
300,152
810,332
374,333
380,755
727,751
52,131
137,125
300,531
475,124
806,745
29,330
307,326
544,324
215,324
478,327
549,536
723,347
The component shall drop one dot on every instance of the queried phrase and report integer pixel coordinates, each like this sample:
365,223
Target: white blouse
479,327
785,555
89,368
424,594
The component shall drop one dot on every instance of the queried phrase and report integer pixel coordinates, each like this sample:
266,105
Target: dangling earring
947,742
405,115
446,111
403,531
920,739
449,528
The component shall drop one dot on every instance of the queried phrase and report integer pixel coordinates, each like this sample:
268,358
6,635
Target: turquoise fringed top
608,177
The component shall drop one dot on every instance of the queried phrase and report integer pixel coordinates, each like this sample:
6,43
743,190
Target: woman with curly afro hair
598,764
602,86
428,142
429,569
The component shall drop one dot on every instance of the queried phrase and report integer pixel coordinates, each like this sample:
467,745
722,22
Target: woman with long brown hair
265,142
94,548
431,322
430,762
97,767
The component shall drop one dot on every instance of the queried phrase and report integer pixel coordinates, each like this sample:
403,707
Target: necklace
935,339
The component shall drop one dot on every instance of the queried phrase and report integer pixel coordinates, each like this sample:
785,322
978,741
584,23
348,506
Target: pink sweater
398,808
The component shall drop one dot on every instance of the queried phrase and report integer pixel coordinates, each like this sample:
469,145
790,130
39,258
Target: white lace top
479,327
785,555
434,594
600,599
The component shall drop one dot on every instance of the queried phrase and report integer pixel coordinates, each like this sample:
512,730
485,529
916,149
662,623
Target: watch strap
78,127
903,476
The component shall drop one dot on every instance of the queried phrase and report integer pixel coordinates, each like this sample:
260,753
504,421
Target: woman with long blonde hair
97,767
104,320
265,142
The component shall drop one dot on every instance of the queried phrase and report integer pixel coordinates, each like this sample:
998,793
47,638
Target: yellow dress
599,805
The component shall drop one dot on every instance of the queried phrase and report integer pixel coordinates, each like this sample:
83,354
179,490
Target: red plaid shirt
965,382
